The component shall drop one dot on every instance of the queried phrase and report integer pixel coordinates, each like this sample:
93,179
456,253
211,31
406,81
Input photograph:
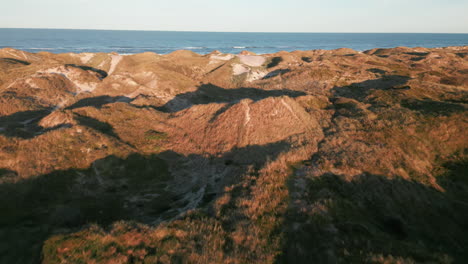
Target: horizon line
271,32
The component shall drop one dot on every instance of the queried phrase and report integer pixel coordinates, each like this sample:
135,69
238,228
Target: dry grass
350,171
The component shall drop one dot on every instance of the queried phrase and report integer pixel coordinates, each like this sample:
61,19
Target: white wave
239,47
43,48
125,48
192,48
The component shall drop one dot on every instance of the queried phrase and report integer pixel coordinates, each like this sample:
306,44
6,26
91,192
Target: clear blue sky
444,16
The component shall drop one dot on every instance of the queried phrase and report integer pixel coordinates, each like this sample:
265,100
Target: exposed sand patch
238,69
31,83
147,79
143,83
256,75
19,54
75,76
101,65
85,87
11,54
252,60
85,57
253,75
222,57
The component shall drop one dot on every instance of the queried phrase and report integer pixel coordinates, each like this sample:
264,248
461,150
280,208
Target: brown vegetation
311,157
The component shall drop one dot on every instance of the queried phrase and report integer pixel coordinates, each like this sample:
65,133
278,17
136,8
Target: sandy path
85,57
115,59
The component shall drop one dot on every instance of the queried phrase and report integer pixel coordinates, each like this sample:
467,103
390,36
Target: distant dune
293,157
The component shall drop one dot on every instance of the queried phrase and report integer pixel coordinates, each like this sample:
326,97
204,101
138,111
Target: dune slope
303,157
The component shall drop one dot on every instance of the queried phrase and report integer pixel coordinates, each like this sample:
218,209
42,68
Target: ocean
163,42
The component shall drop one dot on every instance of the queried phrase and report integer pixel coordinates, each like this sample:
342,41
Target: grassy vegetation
239,80
374,219
242,225
113,189
366,166
155,135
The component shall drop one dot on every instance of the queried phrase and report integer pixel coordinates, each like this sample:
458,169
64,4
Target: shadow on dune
306,59
209,93
139,188
99,101
372,215
434,108
377,70
396,83
15,61
4,173
95,124
378,218
419,54
275,73
102,74
25,124
274,62
359,91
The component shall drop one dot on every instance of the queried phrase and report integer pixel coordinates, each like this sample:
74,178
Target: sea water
163,42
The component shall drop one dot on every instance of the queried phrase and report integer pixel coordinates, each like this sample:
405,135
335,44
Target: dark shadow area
463,71
25,124
455,81
395,83
306,59
111,189
274,62
95,124
417,58
7,174
377,71
220,111
462,54
359,91
217,68
15,61
420,54
276,73
102,74
372,215
98,125
434,108
209,93
99,101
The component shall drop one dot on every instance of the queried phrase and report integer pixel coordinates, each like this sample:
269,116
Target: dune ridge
321,156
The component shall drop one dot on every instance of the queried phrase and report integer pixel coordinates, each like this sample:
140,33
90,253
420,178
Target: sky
414,16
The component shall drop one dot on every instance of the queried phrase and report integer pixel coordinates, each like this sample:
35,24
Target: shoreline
241,50
106,158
